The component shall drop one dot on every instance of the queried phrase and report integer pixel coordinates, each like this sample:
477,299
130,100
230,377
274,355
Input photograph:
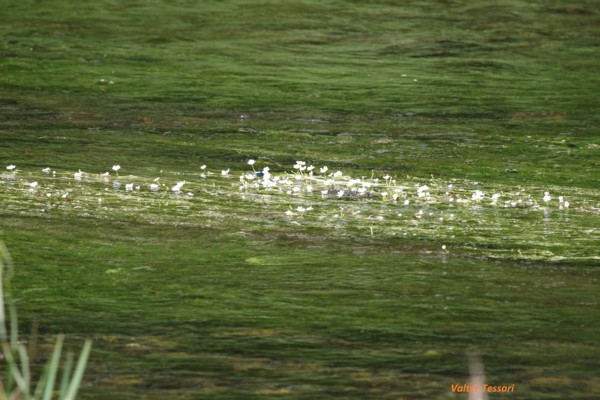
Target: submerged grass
222,294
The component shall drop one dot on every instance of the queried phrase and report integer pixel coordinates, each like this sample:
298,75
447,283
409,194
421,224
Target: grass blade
79,371
64,383
53,368
16,374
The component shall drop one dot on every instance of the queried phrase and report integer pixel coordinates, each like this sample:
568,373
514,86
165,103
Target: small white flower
547,197
178,187
289,213
477,196
251,162
300,165
324,192
310,168
33,185
129,187
116,168
406,202
11,167
154,187
78,175
46,170
225,172
338,174
386,177
340,193
203,167
566,204
323,169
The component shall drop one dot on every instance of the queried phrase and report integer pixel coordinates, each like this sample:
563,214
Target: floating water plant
466,216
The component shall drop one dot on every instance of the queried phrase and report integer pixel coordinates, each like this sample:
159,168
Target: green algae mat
306,199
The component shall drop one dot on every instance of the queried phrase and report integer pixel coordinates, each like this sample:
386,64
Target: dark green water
222,292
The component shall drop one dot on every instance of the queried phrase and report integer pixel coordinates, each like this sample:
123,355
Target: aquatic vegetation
516,223
393,220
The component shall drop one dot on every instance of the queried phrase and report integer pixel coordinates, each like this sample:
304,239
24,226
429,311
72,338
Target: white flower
251,162
46,170
178,187
422,189
340,193
129,187
310,168
566,204
116,167
33,185
406,202
300,165
561,199
477,196
547,197
337,174
323,169
225,172
11,167
203,167
154,187
324,192
386,177
309,189
289,213
78,175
